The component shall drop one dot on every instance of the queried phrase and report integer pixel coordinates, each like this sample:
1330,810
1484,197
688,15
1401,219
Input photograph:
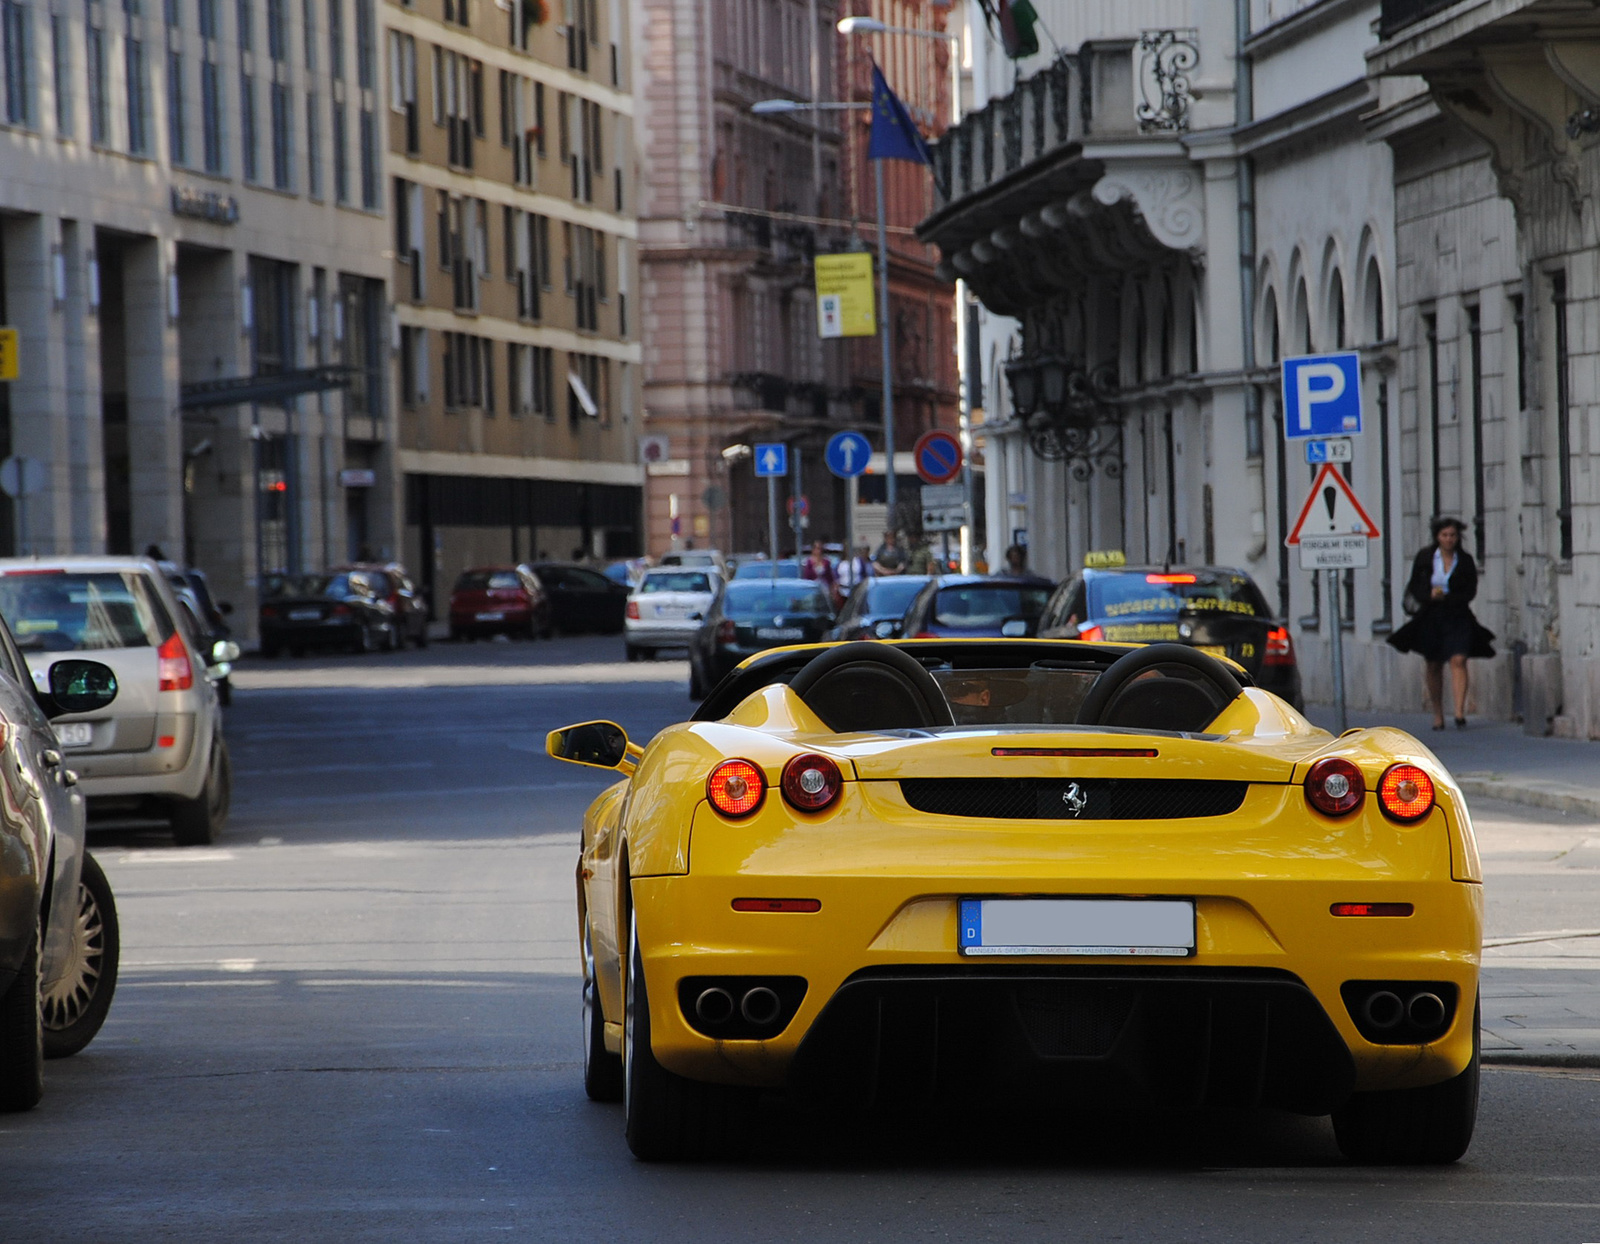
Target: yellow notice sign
8,354
844,295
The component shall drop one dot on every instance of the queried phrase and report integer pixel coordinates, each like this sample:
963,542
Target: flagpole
888,348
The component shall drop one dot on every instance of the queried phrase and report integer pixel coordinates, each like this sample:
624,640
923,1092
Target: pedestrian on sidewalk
1443,630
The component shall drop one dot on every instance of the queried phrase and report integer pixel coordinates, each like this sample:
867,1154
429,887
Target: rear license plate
490,617
304,615
672,611
1077,926
75,733
1212,650
780,632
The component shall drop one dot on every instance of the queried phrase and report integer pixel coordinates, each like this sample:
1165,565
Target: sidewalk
1541,958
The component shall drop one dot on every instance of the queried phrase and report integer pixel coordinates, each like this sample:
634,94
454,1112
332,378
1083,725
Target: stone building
512,174
191,247
734,207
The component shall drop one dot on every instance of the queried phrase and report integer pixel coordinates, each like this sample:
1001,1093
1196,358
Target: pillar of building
154,418
85,428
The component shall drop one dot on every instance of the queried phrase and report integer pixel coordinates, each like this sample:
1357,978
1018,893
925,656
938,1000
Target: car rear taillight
341,611
633,610
924,635
1169,578
1335,786
1092,635
1405,792
269,611
1371,909
727,632
811,782
736,788
173,663
1280,648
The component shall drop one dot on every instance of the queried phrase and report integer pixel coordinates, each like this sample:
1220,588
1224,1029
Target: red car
495,599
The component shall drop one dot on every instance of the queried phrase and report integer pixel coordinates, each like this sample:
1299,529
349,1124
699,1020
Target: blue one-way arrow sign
848,454
772,460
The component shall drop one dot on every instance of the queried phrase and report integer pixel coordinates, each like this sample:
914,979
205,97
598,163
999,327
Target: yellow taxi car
978,872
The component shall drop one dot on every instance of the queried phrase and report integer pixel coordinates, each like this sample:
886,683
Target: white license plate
490,617
75,733
1077,926
304,615
672,611
780,632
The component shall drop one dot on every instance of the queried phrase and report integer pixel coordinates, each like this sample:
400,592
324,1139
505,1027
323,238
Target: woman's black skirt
1437,634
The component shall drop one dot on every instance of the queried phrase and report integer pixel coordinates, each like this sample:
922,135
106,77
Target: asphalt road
356,1018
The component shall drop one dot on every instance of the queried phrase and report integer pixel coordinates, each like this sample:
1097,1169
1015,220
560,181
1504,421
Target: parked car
750,616
582,599
390,581
783,568
876,608
160,747
346,610
500,600
59,941
971,606
208,627
711,559
1217,609
667,608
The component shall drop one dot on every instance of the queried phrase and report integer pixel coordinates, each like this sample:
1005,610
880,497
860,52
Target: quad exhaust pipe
714,1006
1426,1010
759,1006
1385,1010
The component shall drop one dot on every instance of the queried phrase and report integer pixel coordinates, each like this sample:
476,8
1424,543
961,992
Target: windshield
1168,594
680,581
757,599
768,570
1037,696
984,605
54,612
485,580
333,586
892,595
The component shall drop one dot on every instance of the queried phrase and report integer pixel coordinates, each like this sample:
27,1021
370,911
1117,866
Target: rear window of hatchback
69,611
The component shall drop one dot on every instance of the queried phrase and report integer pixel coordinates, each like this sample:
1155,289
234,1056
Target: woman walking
1444,579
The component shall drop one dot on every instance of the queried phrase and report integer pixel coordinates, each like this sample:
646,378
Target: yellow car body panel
889,878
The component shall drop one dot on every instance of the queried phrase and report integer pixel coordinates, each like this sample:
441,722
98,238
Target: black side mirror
600,743
78,687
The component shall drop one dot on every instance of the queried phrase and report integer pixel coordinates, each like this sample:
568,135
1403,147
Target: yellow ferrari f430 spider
1050,873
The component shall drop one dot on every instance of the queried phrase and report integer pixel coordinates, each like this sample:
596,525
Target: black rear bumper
1088,1036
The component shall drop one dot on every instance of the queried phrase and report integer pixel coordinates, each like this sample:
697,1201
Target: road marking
237,965
178,855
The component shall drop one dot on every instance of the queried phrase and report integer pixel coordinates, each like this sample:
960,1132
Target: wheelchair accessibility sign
1322,395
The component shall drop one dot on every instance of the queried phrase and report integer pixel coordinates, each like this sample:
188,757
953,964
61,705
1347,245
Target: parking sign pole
772,517
1338,652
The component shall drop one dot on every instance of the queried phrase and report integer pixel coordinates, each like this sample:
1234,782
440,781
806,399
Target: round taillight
1335,786
811,782
736,788
1405,792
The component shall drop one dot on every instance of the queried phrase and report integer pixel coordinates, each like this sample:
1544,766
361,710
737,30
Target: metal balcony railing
1398,14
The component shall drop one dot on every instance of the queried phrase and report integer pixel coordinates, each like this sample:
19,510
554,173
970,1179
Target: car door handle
50,758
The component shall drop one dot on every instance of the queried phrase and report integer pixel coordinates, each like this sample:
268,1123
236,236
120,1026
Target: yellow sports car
894,874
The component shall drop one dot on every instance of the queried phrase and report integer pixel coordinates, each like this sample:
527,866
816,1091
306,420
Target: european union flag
894,136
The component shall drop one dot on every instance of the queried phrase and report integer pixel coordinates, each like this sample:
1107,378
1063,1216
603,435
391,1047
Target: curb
1526,1058
1557,796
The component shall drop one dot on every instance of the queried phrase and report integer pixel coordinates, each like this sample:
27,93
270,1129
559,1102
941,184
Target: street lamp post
872,26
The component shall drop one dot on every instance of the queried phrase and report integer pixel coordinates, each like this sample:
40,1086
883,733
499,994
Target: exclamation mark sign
1330,498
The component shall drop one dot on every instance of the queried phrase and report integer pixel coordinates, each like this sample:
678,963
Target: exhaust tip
1385,1010
1426,1010
714,1006
760,1006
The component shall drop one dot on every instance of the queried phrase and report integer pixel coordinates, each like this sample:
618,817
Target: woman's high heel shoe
1461,723
1439,725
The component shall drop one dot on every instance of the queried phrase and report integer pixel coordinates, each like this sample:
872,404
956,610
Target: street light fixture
778,107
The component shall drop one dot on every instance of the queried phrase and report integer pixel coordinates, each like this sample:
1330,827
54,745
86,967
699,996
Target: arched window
1336,320
1372,303
1271,343
1300,325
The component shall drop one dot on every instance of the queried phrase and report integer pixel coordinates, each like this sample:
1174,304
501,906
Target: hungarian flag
1016,19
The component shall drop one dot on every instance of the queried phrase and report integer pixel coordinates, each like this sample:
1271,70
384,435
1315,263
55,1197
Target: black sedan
1216,609
877,607
964,606
582,599
749,616
391,581
346,610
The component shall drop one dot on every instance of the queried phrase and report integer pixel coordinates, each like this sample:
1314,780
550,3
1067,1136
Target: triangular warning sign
1332,510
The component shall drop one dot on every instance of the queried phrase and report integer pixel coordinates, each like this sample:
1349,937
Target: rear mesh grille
1054,799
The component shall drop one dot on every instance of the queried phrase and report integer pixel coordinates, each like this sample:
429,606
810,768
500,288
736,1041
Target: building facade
512,173
735,206
191,248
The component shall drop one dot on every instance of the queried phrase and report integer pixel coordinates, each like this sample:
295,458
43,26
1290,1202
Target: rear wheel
22,1036
697,685
602,1070
271,651
422,635
76,1005
1413,1127
198,822
669,1118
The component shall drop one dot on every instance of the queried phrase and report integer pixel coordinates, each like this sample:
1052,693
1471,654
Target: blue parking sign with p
1322,395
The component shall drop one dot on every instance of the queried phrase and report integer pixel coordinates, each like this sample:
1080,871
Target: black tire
422,636
667,1117
697,686
225,693
22,1036
1413,1127
297,652
198,822
633,653
602,1070
271,651
77,1005
647,654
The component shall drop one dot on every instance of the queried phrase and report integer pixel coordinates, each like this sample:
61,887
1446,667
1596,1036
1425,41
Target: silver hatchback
159,746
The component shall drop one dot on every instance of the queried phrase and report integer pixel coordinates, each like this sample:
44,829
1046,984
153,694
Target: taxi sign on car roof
1104,559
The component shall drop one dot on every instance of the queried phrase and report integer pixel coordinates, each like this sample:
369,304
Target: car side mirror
602,744
884,629
224,652
697,617
224,607
1014,628
77,687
